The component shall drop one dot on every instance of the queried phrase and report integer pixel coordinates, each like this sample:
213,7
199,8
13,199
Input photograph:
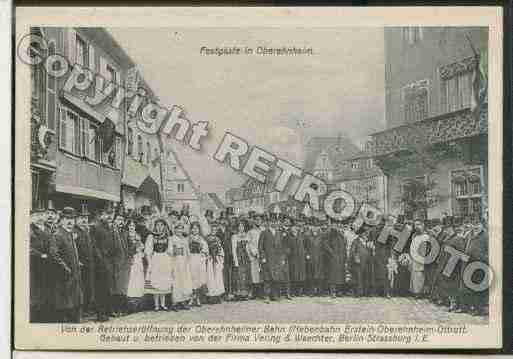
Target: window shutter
70,123
77,135
62,128
85,137
103,68
92,63
119,149
72,45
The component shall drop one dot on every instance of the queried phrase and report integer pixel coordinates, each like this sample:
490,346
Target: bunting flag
479,81
106,132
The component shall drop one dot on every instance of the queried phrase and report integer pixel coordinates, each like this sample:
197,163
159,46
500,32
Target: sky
275,102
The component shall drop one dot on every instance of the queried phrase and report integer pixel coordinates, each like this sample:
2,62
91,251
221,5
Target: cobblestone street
312,310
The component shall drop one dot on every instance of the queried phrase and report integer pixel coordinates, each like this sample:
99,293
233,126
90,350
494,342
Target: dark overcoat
68,291
297,257
448,286
87,255
120,262
273,256
361,266
477,250
104,242
381,255
335,253
314,266
42,269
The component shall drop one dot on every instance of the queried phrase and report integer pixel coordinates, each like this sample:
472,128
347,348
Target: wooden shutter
62,128
103,68
92,62
85,137
72,46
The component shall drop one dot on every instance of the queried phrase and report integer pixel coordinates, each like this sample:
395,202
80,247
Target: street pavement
312,310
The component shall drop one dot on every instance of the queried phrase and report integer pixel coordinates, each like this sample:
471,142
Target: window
130,145
140,149
456,92
412,34
354,165
94,143
82,54
69,131
415,105
111,74
148,153
180,187
466,191
370,163
51,93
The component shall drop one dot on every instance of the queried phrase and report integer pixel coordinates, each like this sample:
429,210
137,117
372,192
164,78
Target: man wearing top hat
42,269
273,258
103,236
68,290
336,252
52,218
297,257
87,254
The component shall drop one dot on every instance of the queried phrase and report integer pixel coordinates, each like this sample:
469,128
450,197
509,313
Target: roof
338,149
217,201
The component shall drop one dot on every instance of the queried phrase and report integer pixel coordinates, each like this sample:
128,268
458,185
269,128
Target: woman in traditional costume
242,269
135,289
158,253
181,267
199,253
215,267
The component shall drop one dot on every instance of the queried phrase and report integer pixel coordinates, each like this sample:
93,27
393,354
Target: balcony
447,127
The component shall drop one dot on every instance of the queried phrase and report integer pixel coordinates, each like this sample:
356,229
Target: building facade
211,201
142,181
180,192
70,163
255,196
434,150
343,165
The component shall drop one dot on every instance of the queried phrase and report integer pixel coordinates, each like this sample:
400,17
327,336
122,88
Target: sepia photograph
257,187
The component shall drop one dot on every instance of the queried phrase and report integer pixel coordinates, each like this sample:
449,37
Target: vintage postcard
258,178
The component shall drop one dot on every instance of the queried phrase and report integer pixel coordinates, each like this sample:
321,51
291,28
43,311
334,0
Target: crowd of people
114,263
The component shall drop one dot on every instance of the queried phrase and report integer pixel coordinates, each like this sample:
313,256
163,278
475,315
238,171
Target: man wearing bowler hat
68,290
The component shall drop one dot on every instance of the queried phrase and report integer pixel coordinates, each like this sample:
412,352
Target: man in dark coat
120,265
87,255
335,254
447,287
273,259
475,302
314,265
225,233
68,291
42,270
103,237
360,262
380,259
297,258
